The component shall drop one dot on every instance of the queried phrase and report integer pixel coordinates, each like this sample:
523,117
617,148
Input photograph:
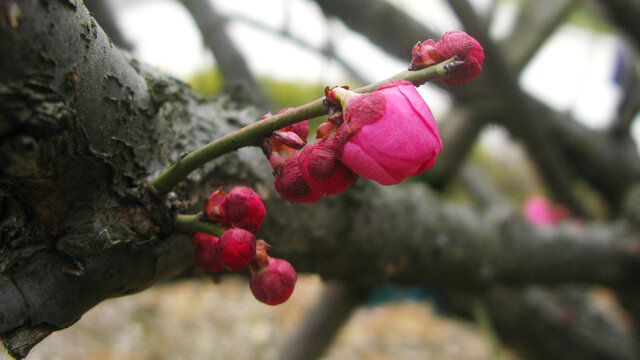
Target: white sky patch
572,71
164,35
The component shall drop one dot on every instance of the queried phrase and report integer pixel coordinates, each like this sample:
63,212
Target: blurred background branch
523,278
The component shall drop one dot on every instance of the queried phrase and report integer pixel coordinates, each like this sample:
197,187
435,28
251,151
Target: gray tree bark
82,125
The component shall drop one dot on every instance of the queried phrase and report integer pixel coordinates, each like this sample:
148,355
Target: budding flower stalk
453,43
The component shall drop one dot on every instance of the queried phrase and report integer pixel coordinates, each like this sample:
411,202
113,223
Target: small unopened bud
300,128
287,138
291,184
321,168
274,283
243,208
207,257
424,54
466,49
212,206
236,249
457,44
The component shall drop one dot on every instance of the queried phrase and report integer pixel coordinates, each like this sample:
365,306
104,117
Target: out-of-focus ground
199,319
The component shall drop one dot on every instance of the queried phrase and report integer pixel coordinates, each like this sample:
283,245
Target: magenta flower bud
207,257
391,133
541,212
321,168
301,128
274,283
291,185
467,49
212,206
236,249
287,138
424,54
242,208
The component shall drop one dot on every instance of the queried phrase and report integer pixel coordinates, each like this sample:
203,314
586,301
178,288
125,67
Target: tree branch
232,64
537,20
322,321
103,13
520,119
327,51
84,126
625,14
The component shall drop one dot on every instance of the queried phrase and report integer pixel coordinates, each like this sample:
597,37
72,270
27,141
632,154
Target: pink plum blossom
541,212
391,133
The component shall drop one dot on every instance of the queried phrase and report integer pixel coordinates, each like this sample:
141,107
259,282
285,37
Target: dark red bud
292,186
274,283
321,169
207,257
301,129
242,208
236,249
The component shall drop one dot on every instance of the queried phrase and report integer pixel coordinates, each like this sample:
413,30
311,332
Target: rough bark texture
81,127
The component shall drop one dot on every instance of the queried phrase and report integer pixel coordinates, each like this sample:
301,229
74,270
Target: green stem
192,223
252,134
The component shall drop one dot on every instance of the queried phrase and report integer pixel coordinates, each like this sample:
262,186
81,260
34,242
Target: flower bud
321,168
301,128
236,249
453,43
287,138
207,257
541,212
242,208
212,206
424,54
291,185
467,49
391,133
274,283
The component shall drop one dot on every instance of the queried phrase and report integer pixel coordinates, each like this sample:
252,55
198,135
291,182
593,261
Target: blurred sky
572,72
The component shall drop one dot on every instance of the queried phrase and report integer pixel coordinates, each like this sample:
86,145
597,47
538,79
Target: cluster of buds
456,44
387,135
305,175
242,212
